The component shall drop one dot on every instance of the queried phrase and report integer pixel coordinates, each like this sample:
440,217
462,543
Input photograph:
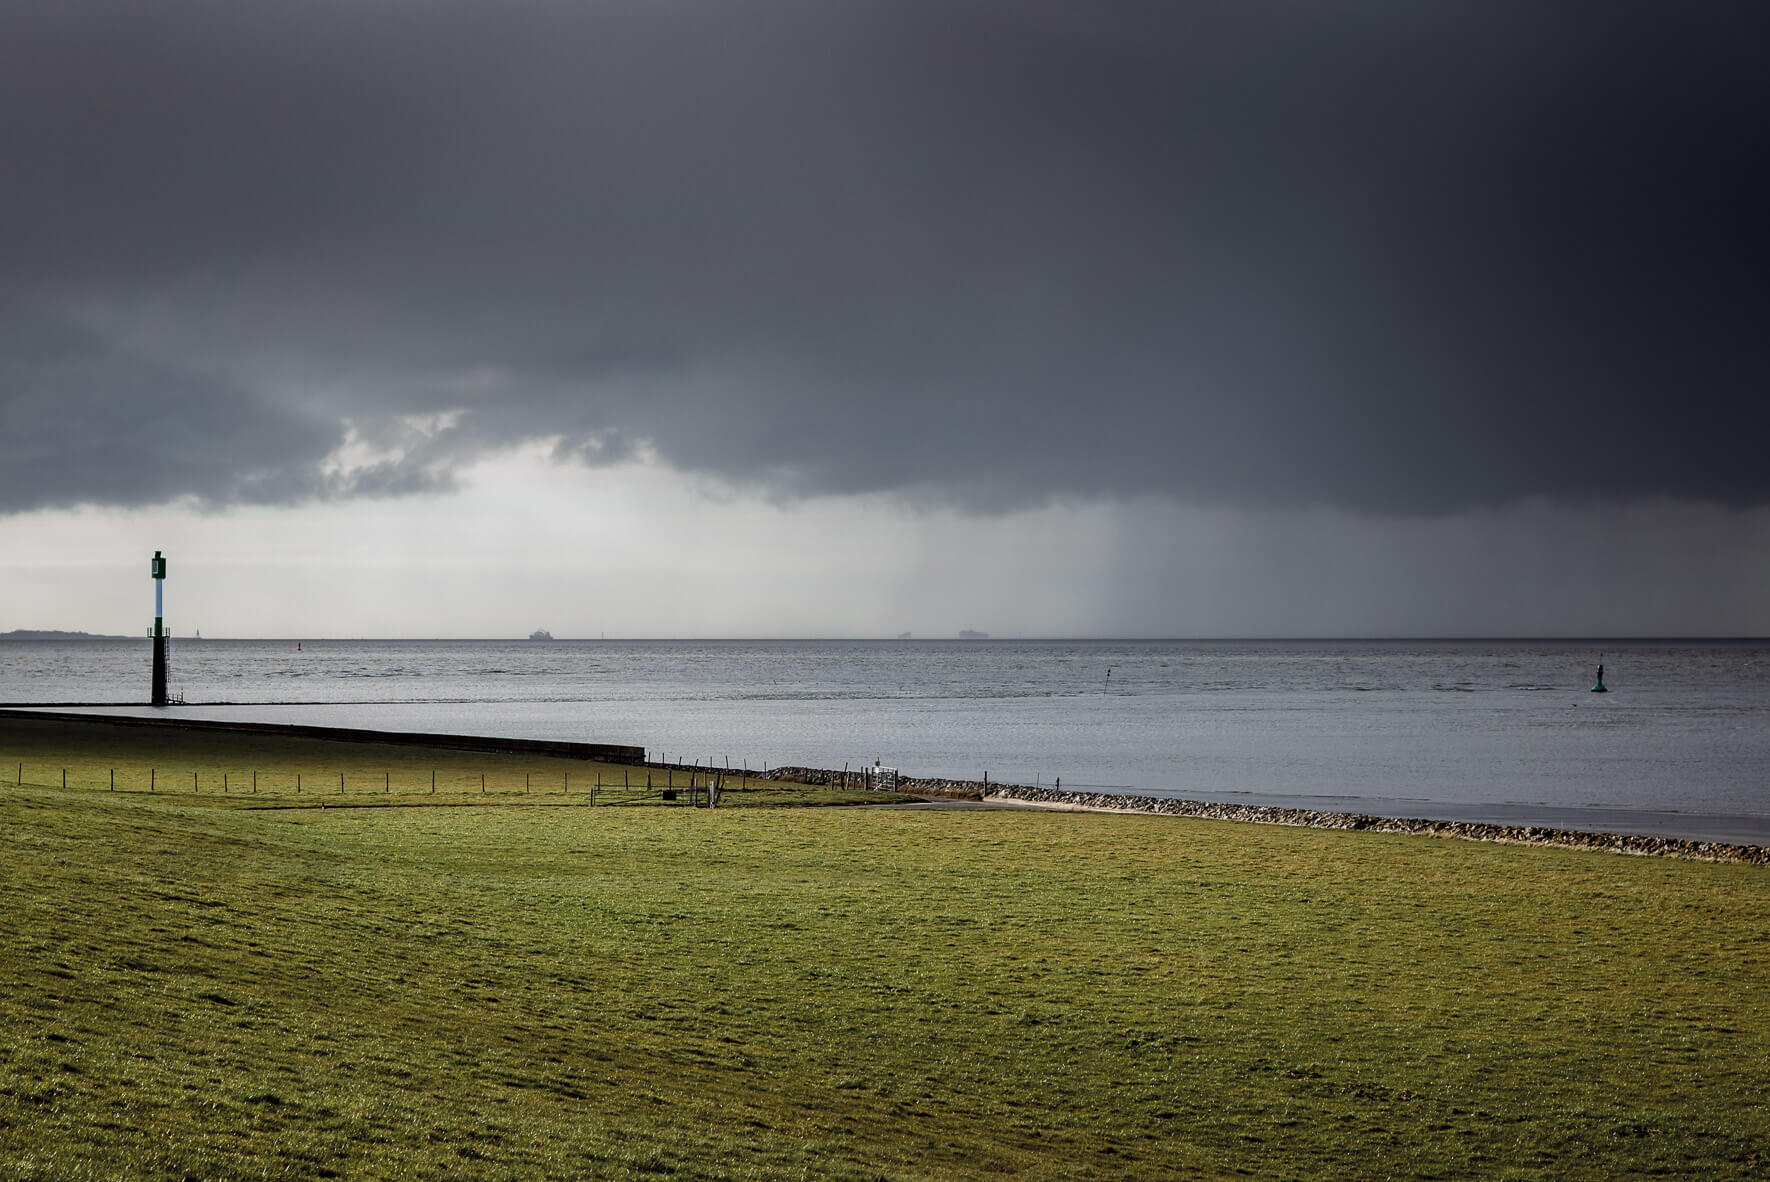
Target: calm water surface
1497,731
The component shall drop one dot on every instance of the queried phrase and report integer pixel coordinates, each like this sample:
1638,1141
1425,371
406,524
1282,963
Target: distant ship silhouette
540,634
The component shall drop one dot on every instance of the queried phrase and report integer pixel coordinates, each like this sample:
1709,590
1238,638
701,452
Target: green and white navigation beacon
159,572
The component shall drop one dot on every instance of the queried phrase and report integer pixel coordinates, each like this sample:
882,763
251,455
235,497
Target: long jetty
606,752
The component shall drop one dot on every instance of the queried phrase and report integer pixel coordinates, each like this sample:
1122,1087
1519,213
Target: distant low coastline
52,634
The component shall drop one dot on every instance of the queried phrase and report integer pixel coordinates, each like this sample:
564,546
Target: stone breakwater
807,775
1616,843
856,778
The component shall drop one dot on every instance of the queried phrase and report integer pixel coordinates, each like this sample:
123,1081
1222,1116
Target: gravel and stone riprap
1619,843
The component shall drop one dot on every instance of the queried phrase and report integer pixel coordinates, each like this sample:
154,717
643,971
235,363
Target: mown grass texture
191,988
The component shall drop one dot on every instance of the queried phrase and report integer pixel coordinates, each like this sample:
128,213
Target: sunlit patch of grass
493,990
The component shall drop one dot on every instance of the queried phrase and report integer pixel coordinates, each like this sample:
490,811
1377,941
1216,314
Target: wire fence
598,786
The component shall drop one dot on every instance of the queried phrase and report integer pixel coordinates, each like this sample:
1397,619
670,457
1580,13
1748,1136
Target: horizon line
1641,638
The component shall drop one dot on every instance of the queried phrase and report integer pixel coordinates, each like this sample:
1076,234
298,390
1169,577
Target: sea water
1502,731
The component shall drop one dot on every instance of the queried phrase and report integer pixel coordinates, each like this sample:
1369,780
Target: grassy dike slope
248,765
505,991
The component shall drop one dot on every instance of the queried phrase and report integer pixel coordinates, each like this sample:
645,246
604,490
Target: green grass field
199,986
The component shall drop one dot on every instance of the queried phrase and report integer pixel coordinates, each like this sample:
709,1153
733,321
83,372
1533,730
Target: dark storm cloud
81,421
1392,258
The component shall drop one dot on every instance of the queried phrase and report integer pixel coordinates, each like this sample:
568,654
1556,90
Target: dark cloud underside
1393,258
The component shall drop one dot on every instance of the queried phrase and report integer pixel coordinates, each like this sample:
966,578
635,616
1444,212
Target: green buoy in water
1599,688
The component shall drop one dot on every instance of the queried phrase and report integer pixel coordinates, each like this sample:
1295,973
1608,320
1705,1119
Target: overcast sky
669,318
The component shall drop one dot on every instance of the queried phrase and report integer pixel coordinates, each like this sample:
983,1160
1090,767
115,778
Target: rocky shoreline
1537,835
